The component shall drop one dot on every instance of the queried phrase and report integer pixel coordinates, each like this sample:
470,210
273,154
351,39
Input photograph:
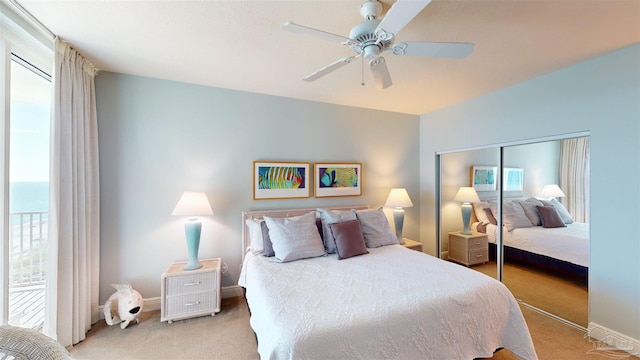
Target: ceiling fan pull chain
362,74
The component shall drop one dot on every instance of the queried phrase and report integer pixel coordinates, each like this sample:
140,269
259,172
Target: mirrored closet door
530,218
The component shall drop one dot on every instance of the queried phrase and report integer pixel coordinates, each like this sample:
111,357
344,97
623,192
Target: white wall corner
607,342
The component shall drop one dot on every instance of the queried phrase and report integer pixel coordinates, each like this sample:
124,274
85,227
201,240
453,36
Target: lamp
399,199
193,204
552,191
466,195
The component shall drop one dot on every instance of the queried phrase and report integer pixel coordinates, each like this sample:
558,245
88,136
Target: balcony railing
27,268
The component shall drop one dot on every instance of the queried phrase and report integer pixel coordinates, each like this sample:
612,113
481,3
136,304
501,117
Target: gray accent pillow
375,228
268,247
513,216
550,217
529,207
328,217
295,238
349,239
564,214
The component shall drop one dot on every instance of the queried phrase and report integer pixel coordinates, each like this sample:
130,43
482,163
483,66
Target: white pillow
328,217
564,214
481,215
375,228
295,238
513,216
256,242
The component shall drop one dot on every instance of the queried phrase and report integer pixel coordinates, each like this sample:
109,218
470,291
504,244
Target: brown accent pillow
550,217
492,218
349,239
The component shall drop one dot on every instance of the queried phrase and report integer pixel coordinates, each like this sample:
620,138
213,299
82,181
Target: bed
388,303
563,248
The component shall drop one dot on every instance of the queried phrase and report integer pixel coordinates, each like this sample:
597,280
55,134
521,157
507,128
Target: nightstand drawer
189,284
191,303
478,256
477,243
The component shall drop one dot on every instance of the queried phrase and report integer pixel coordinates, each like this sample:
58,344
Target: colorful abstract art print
513,179
338,179
483,178
280,180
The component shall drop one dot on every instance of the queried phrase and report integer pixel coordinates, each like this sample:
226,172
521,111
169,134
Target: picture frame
513,179
483,178
280,180
334,179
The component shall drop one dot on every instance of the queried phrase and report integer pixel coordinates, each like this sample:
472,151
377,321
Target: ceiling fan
373,36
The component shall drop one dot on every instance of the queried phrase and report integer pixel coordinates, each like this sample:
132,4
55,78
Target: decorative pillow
375,228
256,243
489,215
550,217
564,214
295,238
266,240
513,216
329,217
479,209
529,207
349,239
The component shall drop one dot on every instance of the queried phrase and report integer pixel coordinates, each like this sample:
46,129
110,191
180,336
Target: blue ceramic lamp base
192,230
398,220
466,218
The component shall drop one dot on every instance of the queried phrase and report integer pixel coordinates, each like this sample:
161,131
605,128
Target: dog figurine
123,306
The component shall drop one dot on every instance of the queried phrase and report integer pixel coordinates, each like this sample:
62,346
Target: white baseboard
606,340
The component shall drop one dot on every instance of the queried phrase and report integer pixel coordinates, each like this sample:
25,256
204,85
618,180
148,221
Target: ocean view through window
28,192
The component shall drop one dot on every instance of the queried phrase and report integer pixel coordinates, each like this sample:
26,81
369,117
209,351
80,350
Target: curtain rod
26,13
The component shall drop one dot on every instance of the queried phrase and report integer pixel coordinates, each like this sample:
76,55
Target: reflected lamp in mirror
466,195
398,199
552,191
193,204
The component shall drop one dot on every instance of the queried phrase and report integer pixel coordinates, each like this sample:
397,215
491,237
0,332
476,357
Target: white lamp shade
552,191
467,194
193,204
398,198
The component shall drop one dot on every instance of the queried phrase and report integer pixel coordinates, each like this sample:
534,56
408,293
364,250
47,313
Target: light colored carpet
228,335
561,296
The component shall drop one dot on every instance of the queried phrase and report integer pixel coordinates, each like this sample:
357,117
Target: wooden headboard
259,214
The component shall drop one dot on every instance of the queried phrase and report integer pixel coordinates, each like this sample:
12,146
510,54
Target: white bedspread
393,303
570,243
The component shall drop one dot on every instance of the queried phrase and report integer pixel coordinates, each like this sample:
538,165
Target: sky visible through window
29,140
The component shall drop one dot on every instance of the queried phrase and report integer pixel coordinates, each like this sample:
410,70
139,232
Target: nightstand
190,293
468,249
411,244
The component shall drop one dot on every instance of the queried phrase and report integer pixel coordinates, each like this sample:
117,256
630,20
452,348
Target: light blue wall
159,138
601,96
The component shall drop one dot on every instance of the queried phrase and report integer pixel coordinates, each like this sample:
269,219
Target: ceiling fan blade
330,68
400,14
299,29
433,49
380,72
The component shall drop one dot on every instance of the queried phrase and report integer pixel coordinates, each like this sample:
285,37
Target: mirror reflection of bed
544,266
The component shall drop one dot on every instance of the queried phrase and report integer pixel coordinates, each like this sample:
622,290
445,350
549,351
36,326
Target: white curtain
574,177
74,228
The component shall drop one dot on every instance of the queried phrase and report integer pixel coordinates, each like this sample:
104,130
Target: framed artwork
280,180
513,179
483,178
338,179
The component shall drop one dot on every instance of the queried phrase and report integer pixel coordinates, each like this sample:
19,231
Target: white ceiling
240,44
